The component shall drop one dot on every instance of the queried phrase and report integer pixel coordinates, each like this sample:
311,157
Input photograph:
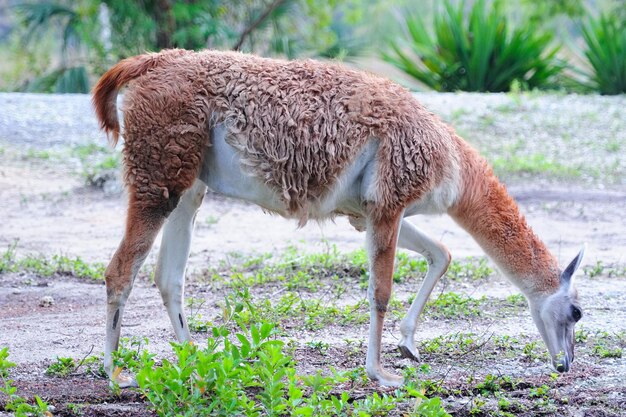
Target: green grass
450,305
43,266
534,163
472,268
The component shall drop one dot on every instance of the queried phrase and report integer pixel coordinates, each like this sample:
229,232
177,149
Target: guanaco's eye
576,313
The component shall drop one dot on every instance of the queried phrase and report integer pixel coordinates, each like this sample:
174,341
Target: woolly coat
296,125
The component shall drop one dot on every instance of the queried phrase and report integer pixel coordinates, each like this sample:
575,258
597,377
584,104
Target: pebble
46,301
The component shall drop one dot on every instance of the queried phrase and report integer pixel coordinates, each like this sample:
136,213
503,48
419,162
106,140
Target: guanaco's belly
224,173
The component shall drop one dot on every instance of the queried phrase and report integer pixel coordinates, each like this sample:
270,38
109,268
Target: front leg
438,259
381,238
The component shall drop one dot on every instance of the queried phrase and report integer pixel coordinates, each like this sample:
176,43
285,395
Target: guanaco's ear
566,275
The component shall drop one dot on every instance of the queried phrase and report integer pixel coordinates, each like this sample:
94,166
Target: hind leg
175,244
142,225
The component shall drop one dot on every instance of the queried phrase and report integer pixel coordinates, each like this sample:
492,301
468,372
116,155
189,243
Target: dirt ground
48,210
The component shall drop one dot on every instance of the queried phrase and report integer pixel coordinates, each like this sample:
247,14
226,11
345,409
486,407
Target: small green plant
74,409
478,53
407,266
532,352
455,344
14,402
539,392
516,300
195,322
581,334
606,51
319,345
244,370
601,350
452,305
493,384
7,260
469,268
58,264
62,367
594,270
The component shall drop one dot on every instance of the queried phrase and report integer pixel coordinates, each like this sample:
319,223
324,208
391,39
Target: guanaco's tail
105,91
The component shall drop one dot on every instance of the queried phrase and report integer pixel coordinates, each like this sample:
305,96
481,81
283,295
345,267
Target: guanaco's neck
488,213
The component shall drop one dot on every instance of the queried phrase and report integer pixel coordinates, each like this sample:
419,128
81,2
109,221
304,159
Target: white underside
223,173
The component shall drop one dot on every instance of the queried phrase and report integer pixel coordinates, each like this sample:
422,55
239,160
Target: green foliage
451,345
493,384
605,38
58,264
470,268
244,370
542,11
61,368
516,300
13,402
7,259
608,345
75,24
478,53
452,305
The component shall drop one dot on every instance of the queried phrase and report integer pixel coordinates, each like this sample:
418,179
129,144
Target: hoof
409,352
387,379
384,378
121,380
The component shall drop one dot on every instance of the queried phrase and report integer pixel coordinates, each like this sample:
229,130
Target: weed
581,335
130,354
61,368
451,345
38,154
505,342
601,350
452,305
613,146
319,345
532,352
13,401
58,264
594,270
244,370
211,221
7,260
539,392
407,266
74,409
195,322
469,268
516,300
493,384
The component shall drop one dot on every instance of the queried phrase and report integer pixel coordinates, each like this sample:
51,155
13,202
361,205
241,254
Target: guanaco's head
556,315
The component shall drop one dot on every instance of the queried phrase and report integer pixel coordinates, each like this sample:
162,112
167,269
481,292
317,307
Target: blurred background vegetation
63,46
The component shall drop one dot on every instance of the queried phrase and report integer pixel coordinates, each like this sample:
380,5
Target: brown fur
492,217
141,230
296,124
385,238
